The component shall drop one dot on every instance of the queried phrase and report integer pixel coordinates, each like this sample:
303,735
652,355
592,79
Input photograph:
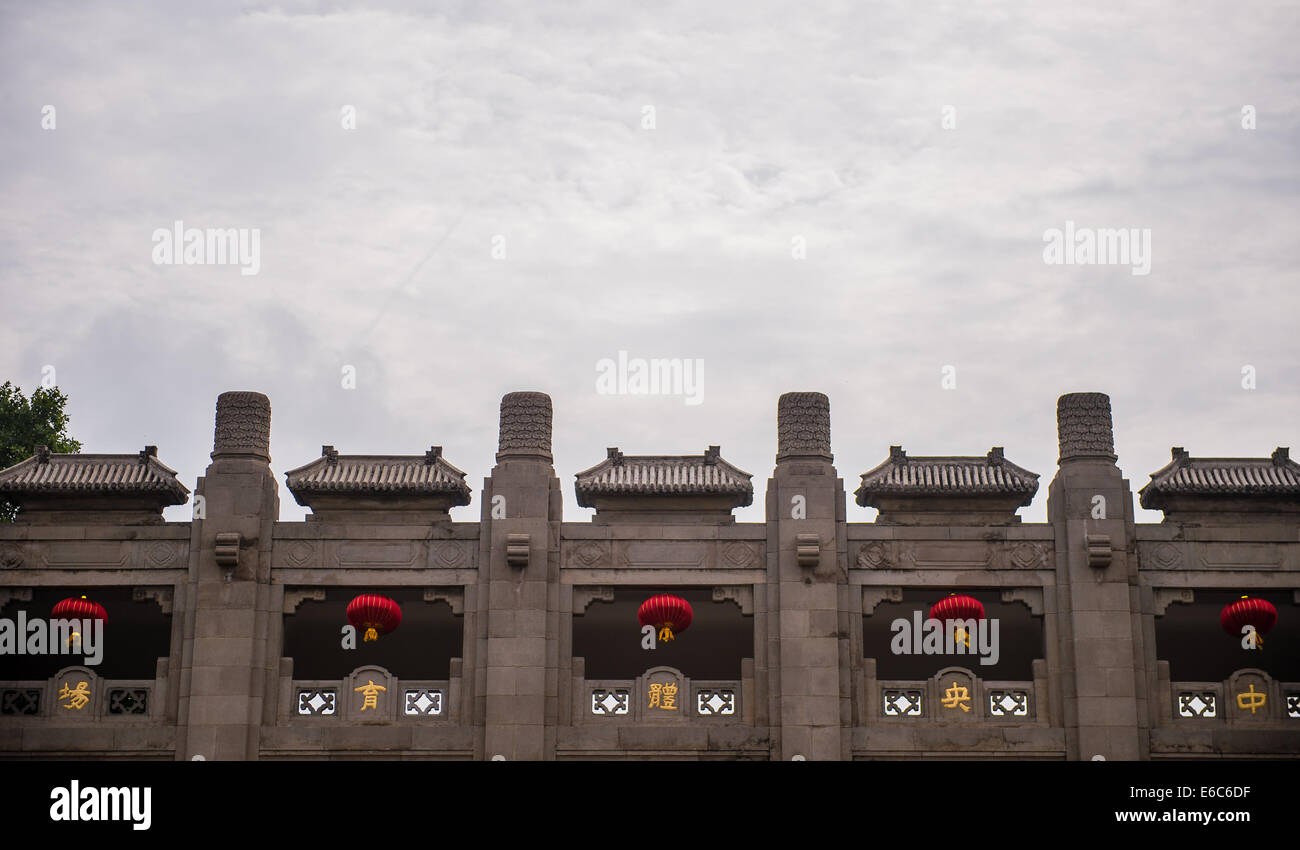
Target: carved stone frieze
876,555
11,556
82,554
739,553
588,553
376,553
664,553
966,555
1028,555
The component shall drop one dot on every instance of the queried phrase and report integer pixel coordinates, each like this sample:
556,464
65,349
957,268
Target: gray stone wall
808,577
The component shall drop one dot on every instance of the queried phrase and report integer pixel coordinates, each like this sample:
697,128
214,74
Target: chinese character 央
956,697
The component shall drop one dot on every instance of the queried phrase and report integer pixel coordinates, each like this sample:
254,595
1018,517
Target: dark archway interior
1198,649
422,647
135,635
608,636
1020,638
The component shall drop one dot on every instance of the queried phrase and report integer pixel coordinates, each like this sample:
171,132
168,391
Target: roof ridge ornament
996,456
897,455
432,455
1180,455
331,456
1281,455
42,454
149,451
711,455
612,453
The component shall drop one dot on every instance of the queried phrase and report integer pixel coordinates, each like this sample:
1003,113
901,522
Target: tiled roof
404,475
947,476
664,475
1277,475
49,473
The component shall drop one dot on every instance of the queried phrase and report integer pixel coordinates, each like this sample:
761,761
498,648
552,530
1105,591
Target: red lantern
378,615
665,612
78,608
958,606
1259,613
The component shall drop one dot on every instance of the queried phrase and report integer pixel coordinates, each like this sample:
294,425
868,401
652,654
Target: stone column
806,573
225,666
1102,680
518,593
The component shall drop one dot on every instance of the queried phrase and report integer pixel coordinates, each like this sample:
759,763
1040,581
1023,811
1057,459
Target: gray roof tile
901,475
1185,475
662,475
49,473
406,475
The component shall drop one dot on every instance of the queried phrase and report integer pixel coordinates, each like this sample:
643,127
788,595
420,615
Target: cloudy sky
843,197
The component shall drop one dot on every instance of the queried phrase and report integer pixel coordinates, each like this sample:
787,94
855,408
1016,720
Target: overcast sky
530,188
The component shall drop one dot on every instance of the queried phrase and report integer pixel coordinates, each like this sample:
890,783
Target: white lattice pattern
421,701
1197,704
902,703
609,703
317,702
710,702
1008,703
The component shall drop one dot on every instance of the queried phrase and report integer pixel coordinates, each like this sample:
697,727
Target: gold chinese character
371,692
663,696
1250,699
956,697
77,697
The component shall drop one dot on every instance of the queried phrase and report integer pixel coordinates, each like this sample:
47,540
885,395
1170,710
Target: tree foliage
29,422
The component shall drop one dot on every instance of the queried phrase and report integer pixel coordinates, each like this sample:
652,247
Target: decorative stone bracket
294,598
517,549
453,596
8,594
1099,554
1030,597
226,548
873,596
162,595
584,596
1163,597
741,594
808,549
